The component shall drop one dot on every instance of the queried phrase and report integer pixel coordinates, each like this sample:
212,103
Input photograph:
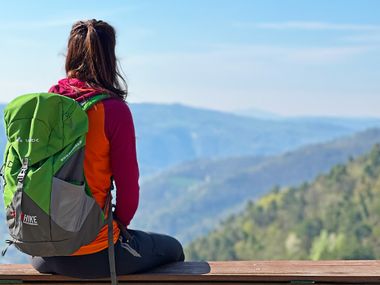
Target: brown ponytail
91,57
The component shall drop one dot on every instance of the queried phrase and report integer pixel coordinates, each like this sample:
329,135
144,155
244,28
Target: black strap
2,176
9,243
127,238
2,170
111,247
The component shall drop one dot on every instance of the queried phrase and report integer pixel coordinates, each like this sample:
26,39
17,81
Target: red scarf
75,89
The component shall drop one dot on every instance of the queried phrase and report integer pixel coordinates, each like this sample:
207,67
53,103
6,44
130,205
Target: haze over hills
334,217
171,134
168,135
190,199
257,113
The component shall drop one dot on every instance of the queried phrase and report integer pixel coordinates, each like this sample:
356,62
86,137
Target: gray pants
155,250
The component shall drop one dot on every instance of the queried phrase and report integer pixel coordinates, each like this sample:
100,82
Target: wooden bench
231,272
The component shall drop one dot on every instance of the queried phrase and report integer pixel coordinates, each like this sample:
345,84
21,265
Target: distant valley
190,199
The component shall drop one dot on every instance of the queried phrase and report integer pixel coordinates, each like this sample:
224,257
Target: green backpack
49,208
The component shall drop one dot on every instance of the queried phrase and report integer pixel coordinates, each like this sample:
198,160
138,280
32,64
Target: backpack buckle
24,168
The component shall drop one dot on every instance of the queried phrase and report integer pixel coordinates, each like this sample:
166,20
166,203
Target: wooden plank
76,282
87,282
181,282
165,283
342,272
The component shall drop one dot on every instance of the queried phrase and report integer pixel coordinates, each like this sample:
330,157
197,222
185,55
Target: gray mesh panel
70,205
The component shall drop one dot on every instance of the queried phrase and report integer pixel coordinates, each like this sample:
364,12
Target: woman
91,69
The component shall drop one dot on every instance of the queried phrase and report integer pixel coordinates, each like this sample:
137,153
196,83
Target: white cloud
373,38
305,25
66,20
35,24
297,55
236,76
330,55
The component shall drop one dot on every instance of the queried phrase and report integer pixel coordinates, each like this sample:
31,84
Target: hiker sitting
86,143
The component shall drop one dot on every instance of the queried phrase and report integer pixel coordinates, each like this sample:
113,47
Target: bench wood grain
231,272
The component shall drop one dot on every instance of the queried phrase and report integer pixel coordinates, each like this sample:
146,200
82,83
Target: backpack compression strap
111,247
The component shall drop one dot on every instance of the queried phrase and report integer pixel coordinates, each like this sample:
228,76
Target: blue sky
292,57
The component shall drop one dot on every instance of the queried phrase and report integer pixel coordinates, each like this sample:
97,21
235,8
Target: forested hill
335,217
189,200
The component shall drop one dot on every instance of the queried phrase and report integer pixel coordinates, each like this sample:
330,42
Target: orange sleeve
97,169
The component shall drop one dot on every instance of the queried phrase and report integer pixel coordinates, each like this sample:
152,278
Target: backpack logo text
29,220
31,140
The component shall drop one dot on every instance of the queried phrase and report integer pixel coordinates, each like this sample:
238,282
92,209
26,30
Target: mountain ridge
191,198
170,134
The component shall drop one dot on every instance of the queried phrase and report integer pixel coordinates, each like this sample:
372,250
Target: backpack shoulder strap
87,104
